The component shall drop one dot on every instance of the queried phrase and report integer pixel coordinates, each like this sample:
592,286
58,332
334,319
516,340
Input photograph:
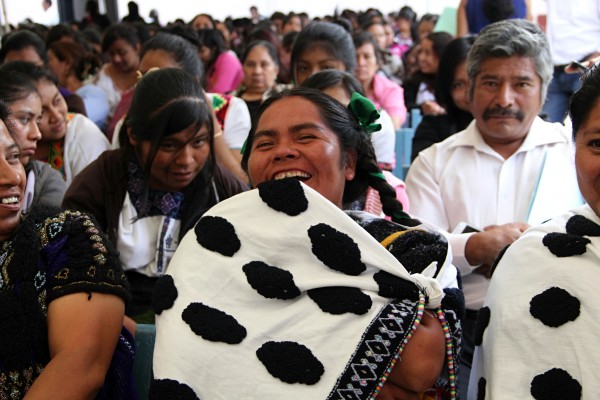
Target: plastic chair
404,137
142,364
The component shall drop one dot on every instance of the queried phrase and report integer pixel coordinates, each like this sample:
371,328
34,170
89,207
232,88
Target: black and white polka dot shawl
278,294
537,334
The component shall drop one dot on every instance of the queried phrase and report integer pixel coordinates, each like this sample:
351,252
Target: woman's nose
285,151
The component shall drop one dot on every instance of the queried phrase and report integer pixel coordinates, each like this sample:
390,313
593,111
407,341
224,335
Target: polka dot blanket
278,294
537,334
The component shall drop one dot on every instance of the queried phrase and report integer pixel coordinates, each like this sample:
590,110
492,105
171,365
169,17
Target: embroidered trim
378,351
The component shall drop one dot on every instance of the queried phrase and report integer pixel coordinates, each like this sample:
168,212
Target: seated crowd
231,182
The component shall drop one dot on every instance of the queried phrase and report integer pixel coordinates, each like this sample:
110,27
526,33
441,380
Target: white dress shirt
462,179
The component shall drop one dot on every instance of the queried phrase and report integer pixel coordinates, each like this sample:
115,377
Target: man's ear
131,137
350,164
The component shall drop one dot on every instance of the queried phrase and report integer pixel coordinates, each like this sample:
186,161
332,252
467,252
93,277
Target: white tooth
291,174
9,200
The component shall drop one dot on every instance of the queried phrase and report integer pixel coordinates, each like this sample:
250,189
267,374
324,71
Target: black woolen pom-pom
481,389
580,225
271,282
340,300
290,362
336,250
554,307
393,287
454,300
164,294
168,389
416,249
212,324
285,195
565,244
555,384
217,234
483,320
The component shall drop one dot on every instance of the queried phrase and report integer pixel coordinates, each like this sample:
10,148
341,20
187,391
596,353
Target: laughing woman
62,295
295,294
147,194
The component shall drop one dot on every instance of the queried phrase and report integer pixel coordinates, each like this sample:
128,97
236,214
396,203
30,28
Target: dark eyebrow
293,129
13,146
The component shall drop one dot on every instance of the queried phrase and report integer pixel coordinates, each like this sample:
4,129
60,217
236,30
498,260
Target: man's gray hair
508,38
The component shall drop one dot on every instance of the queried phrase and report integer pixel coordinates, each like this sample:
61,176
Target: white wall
220,9
169,10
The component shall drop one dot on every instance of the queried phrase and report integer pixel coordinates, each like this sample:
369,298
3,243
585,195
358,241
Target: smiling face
179,158
506,99
587,158
53,124
313,60
25,115
12,184
123,56
292,140
260,71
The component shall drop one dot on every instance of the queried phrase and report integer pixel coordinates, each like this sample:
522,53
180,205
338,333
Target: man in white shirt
507,170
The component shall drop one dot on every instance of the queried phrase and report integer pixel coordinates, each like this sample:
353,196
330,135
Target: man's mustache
503,112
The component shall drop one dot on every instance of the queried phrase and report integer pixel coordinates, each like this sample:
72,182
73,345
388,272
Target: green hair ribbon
364,110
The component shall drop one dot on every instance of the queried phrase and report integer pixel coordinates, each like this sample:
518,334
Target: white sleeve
84,142
384,140
237,123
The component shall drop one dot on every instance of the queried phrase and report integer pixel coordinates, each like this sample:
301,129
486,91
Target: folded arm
82,336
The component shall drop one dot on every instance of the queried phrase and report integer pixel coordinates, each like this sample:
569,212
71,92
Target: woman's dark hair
210,18
328,36
454,54
498,10
439,40
124,31
408,14
167,101
585,99
329,78
83,63
19,40
182,52
59,31
214,40
267,45
265,34
352,138
32,71
15,85
361,38
288,40
288,18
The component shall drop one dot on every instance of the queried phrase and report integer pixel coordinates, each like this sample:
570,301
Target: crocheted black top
51,255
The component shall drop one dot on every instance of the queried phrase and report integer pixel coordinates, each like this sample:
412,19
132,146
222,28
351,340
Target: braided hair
352,137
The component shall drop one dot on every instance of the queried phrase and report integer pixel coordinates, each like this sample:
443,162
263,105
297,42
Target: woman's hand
432,108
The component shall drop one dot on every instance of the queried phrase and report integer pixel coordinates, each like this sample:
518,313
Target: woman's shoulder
77,256
227,184
81,128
